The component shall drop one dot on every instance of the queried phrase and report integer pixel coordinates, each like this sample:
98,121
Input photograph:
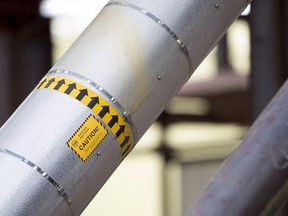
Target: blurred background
200,127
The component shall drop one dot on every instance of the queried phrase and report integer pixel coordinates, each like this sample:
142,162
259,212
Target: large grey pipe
70,134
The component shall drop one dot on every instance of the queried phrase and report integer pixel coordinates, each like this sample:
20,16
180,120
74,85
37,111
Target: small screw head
113,100
159,77
217,6
98,153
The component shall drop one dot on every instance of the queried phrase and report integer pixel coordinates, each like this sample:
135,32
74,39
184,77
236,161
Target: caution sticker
87,138
107,113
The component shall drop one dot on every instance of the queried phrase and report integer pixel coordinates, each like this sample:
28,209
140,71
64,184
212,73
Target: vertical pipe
222,55
285,28
5,64
266,52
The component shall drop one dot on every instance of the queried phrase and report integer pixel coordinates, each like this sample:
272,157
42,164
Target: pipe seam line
182,45
123,114
61,191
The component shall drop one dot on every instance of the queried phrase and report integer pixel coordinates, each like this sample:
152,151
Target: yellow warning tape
97,104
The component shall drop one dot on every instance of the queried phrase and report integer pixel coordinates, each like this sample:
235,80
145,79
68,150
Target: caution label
87,138
107,113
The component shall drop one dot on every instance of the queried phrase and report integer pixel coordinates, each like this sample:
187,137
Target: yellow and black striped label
107,113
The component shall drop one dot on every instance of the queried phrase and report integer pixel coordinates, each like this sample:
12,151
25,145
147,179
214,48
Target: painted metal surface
132,48
42,139
253,180
267,47
112,84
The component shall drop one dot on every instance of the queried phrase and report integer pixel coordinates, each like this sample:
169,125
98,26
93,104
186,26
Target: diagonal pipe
88,112
253,180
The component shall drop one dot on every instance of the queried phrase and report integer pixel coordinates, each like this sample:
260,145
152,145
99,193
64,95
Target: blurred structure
25,52
199,128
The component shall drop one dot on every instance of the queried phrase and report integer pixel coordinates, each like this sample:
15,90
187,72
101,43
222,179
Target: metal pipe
253,180
267,47
87,113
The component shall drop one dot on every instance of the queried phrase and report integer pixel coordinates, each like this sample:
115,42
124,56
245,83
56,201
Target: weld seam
60,189
182,45
123,113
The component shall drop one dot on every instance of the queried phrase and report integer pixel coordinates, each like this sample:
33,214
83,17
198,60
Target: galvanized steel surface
253,180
